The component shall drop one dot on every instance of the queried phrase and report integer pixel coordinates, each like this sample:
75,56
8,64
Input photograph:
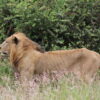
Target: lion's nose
5,53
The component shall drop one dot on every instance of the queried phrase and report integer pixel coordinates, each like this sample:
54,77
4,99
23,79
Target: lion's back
58,60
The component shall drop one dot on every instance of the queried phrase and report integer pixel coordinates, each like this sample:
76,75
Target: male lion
27,58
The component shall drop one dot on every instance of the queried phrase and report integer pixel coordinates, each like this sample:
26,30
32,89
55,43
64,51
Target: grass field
66,88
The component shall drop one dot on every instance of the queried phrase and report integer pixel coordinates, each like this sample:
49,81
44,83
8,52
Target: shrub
55,24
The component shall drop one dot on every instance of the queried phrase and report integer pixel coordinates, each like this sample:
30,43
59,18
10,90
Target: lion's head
18,40
5,46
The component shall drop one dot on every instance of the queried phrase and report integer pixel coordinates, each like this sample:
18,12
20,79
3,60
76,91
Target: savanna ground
67,87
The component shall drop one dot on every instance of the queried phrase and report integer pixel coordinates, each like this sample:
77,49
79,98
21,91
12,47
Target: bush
55,24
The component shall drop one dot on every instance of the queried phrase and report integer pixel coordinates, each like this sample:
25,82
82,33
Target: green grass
5,71
66,88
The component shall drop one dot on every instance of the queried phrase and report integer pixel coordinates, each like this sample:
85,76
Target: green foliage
5,71
55,24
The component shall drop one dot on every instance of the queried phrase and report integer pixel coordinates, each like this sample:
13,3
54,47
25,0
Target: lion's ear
15,40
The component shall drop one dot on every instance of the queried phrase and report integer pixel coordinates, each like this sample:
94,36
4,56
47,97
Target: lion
27,58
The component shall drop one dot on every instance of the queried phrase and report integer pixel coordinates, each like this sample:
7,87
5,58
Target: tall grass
65,88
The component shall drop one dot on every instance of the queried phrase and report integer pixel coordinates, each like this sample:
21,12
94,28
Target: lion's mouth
4,54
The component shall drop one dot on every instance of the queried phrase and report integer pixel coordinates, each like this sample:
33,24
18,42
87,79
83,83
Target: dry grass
61,87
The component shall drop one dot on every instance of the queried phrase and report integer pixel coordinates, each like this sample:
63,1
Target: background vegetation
55,24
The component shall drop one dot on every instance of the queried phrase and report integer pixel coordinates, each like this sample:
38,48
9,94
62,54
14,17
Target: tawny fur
28,58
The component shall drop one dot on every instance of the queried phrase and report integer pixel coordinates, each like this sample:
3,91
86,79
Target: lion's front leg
26,75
